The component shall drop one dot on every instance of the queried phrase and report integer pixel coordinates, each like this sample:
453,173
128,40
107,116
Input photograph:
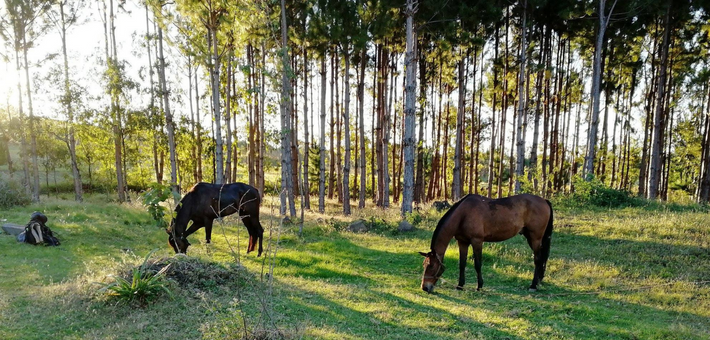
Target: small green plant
153,197
414,218
141,287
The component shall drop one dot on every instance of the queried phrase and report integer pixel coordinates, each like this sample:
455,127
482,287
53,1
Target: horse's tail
546,239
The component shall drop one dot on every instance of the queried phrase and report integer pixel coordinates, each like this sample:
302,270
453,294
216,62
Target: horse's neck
443,238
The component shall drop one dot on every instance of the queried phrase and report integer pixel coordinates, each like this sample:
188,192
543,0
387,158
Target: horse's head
179,243
433,268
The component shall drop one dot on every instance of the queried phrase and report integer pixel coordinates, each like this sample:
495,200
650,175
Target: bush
596,193
12,193
157,194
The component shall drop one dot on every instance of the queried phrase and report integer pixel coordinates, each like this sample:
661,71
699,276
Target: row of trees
450,98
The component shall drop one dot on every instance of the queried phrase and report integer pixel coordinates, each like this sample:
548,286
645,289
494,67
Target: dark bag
36,232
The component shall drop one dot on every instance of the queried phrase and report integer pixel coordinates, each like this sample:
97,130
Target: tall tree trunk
331,177
253,117
286,179
71,143
228,117
115,109
596,93
306,198
418,190
659,116
361,128
168,117
198,135
457,187
386,135
216,110
704,185
321,179
492,151
346,132
522,96
410,100
261,129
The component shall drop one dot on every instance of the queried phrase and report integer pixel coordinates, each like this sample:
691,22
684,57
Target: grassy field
634,273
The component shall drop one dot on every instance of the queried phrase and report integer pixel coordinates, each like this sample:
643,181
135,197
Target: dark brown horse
476,219
205,202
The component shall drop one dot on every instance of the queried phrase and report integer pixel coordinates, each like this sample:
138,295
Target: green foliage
414,217
12,193
596,193
142,286
153,197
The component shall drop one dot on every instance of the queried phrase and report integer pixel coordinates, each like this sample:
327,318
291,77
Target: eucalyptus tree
157,6
63,15
409,107
23,17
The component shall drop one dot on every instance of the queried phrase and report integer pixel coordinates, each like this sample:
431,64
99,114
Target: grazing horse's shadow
204,202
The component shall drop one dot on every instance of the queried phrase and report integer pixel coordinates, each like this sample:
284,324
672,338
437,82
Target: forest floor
632,273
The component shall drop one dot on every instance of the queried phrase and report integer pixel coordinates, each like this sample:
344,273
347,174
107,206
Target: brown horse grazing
476,219
205,202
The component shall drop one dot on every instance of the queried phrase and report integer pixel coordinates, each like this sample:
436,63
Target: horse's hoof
208,241
459,287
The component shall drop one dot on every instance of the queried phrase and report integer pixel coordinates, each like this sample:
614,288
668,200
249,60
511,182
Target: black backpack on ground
36,232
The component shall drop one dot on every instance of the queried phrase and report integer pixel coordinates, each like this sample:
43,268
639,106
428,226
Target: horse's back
503,218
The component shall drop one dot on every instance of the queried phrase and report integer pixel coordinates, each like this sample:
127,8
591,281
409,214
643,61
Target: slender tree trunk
418,190
253,117
78,190
386,136
331,177
286,179
168,117
522,96
457,187
216,109
659,116
596,93
346,132
492,151
321,181
228,171
306,198
198,136
361,114
408,137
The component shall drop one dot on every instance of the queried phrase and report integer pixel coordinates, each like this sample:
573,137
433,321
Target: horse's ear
423,254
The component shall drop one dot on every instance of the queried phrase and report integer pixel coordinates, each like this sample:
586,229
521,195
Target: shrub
596,193
12,193
142,285
153,197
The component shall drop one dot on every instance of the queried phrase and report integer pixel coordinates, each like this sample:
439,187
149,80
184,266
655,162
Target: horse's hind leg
208,230
463,257
536,246
256,232
478,261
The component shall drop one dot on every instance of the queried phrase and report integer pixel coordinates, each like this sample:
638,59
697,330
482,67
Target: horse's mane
444,219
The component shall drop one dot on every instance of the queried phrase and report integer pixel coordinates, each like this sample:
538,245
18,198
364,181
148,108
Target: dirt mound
191,272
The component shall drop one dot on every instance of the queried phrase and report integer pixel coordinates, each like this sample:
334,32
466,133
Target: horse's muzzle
427,287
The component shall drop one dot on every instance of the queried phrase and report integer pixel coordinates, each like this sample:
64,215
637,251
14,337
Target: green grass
631,273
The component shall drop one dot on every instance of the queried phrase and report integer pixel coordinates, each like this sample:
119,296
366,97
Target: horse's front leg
463,257
478,260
